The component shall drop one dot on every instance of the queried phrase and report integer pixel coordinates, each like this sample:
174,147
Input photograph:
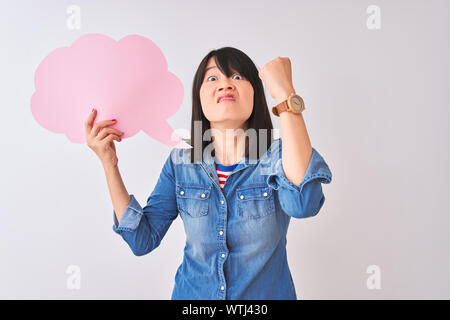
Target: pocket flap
193,192
256,192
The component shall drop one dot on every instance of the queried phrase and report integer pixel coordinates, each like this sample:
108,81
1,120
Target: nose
226,84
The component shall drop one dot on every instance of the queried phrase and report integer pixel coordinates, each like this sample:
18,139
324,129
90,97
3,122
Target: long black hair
225,58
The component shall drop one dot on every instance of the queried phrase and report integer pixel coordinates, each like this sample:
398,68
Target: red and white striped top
223,172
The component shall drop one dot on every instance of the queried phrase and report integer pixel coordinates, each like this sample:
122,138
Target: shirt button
222,202
222,288
242,196
265,194
181,192
221,232
203,195
223,255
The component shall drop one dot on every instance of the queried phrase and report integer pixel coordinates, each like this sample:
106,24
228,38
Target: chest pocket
193,200
255,201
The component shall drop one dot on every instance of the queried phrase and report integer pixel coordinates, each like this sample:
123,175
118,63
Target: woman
235,190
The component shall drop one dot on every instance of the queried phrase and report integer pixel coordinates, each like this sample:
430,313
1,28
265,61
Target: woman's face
215,83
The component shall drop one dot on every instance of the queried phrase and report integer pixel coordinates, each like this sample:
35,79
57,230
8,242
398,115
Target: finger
103,133
112,137
89,122
100,125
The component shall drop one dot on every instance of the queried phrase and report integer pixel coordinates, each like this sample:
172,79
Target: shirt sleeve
144,228
307,198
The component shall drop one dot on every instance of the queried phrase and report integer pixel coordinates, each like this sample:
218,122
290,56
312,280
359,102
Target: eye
236,74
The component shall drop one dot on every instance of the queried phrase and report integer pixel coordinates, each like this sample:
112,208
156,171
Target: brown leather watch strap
279,108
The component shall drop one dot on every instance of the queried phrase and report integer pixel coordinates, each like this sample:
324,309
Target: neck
229,143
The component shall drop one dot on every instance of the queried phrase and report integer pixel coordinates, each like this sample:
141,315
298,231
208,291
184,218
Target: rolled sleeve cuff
130,218
317,169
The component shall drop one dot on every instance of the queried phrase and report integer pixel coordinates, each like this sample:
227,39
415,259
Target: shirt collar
208,162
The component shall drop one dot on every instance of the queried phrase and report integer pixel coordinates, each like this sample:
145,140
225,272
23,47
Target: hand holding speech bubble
127,80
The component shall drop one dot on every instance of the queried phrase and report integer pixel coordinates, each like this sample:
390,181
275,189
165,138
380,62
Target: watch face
297,103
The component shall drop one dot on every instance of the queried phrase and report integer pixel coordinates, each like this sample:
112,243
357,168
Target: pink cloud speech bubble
127,80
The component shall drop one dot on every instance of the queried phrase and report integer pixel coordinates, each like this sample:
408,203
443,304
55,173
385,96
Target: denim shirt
235,237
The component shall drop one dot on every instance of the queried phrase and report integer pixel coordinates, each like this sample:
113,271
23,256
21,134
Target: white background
377,111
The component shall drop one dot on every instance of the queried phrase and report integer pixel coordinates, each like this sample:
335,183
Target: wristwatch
294,103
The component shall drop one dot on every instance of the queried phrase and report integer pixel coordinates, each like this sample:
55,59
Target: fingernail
113,120
93,110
